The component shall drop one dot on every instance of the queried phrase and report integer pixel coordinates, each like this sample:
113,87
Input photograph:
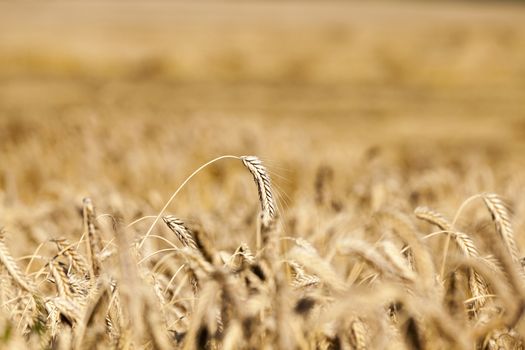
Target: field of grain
363,185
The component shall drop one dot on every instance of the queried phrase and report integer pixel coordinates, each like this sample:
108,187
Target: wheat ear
433,217
69,250
14,271
501,217
182,232
359,335
264,186
93,241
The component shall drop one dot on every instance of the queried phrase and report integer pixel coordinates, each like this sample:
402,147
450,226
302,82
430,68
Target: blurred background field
121,101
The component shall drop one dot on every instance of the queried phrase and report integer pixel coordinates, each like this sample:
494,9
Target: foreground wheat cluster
111,288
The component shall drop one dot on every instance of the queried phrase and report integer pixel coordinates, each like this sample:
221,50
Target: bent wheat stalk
159,215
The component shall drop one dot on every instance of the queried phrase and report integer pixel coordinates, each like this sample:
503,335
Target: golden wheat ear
180,230
93,243
501,217
264,186
6,259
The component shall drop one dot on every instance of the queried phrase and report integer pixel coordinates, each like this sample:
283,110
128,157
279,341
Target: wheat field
262,175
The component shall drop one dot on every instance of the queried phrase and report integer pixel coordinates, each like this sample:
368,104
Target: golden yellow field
392,133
